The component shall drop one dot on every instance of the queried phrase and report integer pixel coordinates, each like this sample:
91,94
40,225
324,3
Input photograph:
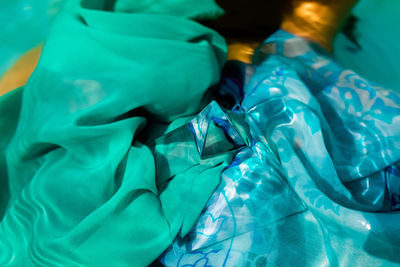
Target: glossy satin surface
317,183
110,162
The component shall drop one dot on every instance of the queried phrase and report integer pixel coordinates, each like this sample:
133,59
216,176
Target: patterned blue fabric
316,176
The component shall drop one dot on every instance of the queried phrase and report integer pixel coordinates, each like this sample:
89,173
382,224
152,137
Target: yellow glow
19,73
240,51
317,21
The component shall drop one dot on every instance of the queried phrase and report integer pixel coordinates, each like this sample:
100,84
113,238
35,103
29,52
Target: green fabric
193,9
9,110
378,34
84,190
24,24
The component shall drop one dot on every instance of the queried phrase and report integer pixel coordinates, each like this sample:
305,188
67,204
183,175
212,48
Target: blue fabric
316,176
315,179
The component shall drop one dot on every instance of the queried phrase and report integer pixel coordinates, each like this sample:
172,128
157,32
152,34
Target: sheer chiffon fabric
129,143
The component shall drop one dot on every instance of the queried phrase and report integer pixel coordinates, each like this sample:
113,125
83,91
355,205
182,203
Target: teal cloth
83,188
316,177
193,9
23,25
10,105
377,33
103,170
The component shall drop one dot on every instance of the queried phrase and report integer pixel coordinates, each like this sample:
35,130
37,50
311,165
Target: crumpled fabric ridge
318,183
83,187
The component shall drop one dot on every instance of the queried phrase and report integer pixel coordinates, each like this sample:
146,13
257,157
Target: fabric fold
83,189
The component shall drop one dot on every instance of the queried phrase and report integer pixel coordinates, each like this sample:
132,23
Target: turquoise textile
318,184
292,161
84,189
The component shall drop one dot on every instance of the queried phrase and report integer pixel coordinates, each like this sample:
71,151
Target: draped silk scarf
83,189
